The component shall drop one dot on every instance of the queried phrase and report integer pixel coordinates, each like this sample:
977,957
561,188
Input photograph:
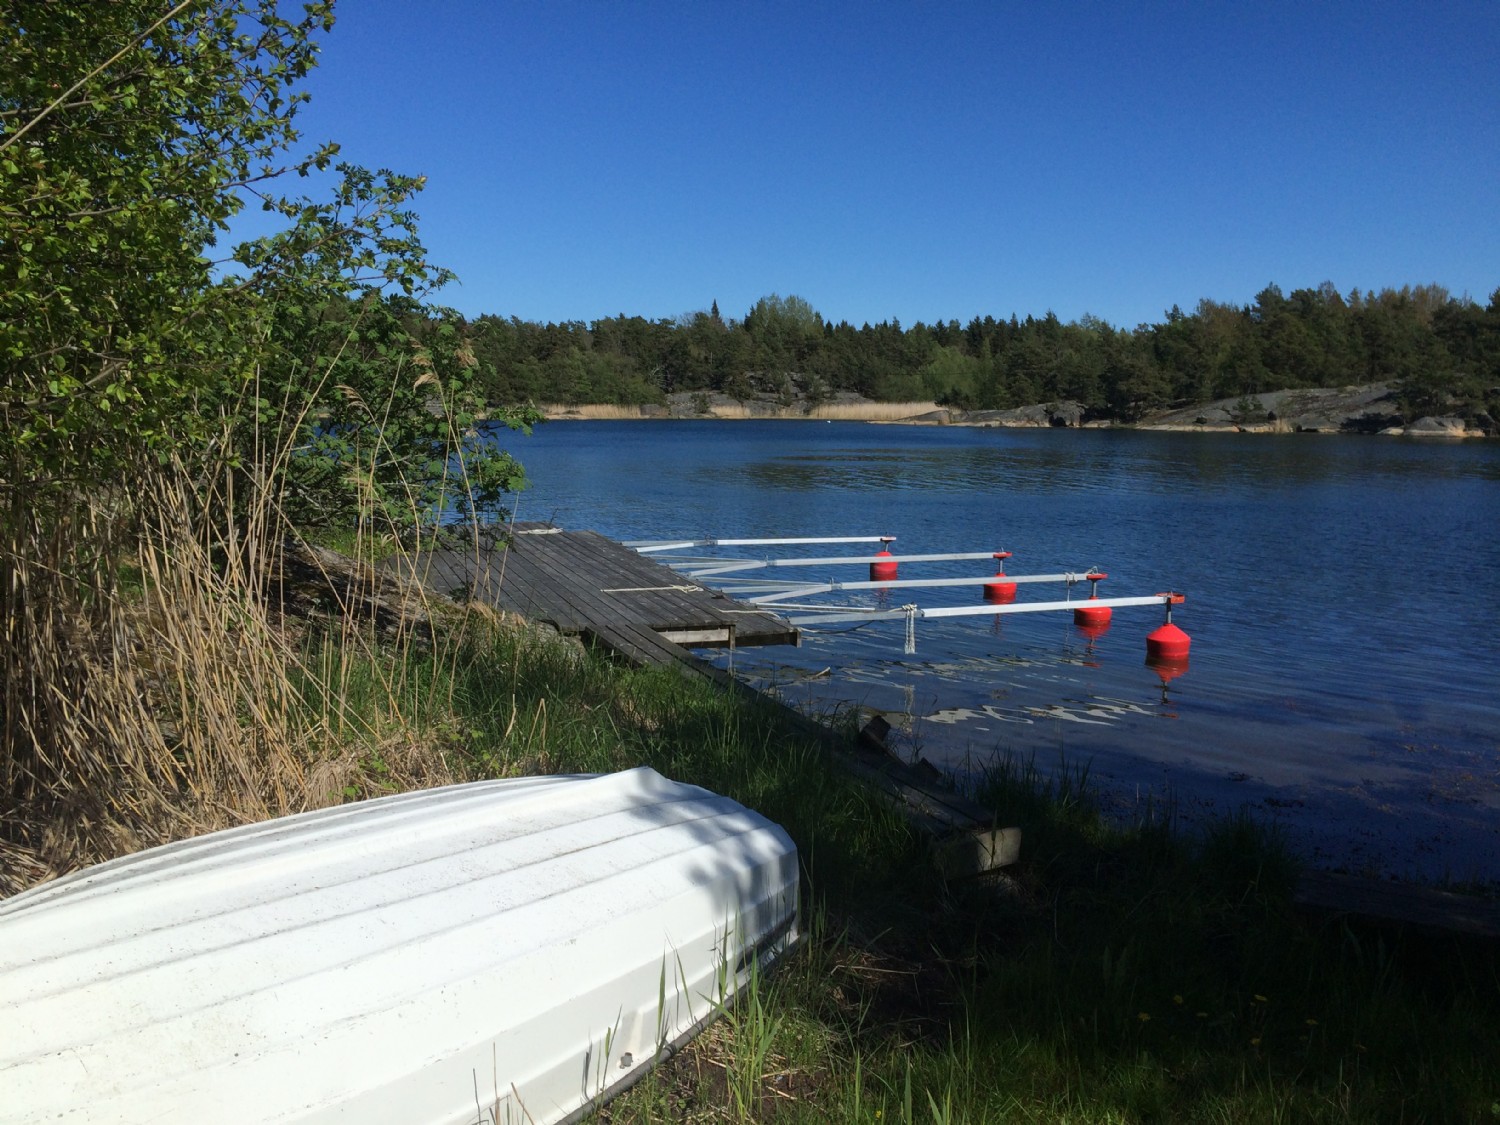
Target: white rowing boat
499,951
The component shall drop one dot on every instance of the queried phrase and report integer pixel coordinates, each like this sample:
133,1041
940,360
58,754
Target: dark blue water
1341,599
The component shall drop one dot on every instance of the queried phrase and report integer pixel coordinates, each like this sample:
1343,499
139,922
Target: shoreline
725,409
1369,410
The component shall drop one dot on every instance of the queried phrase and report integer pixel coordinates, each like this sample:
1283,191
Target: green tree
153,384
786,331
130,131
133,132
952,378
1135,383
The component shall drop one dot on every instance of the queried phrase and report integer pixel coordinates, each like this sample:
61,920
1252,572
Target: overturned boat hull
506,950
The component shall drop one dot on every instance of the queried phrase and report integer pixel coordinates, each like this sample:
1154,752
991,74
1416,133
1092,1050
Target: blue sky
930,160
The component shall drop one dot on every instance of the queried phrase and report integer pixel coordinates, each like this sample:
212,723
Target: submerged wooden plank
943,809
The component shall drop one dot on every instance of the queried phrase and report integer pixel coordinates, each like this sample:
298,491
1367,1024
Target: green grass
1118,975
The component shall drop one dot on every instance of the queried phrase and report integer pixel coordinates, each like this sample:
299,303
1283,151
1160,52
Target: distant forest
1441,353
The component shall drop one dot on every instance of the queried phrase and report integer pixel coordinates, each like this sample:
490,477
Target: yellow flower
1255,1042
1259,999
1143,1016
1176,999
1310,1022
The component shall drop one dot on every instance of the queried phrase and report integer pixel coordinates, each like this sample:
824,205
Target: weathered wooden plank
435,570
657,589
924,780
578,578
645,591
537,591
951,811
573,579
700,636
640,645
1404,903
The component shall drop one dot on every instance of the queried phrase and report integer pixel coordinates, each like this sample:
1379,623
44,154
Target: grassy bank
1115,976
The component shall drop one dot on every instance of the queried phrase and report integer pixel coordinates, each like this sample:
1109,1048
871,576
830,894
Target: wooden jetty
589,586
586,585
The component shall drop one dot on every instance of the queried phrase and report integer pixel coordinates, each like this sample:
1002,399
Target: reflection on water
1344,671
1095,712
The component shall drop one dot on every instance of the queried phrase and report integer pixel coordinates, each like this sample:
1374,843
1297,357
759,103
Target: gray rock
1438,427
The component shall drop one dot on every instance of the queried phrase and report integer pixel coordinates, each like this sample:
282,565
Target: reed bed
593,412
871,411
152,690
169,670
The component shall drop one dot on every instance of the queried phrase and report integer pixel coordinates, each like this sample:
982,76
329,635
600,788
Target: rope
651,589
911,628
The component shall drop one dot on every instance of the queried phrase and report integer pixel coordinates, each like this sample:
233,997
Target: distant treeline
1442,352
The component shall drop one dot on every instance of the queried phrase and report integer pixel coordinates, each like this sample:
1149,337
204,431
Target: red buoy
883,571
1167,644
1000,591
1093,616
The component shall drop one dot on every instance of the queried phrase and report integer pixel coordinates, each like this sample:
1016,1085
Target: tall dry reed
147,693
162,677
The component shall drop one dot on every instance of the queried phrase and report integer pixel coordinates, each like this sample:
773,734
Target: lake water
1341,599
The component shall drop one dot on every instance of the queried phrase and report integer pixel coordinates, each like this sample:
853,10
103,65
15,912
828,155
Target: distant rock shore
1370,409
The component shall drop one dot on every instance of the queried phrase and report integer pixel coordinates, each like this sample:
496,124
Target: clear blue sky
929,160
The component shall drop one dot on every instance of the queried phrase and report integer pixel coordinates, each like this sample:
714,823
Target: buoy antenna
1000,589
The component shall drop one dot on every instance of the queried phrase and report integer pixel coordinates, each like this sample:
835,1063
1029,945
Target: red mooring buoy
1000,591
1168,644
1097,616
884,571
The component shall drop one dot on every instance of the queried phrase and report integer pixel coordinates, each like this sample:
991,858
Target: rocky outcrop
1044,414
1370,409
1324,410
1448,427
